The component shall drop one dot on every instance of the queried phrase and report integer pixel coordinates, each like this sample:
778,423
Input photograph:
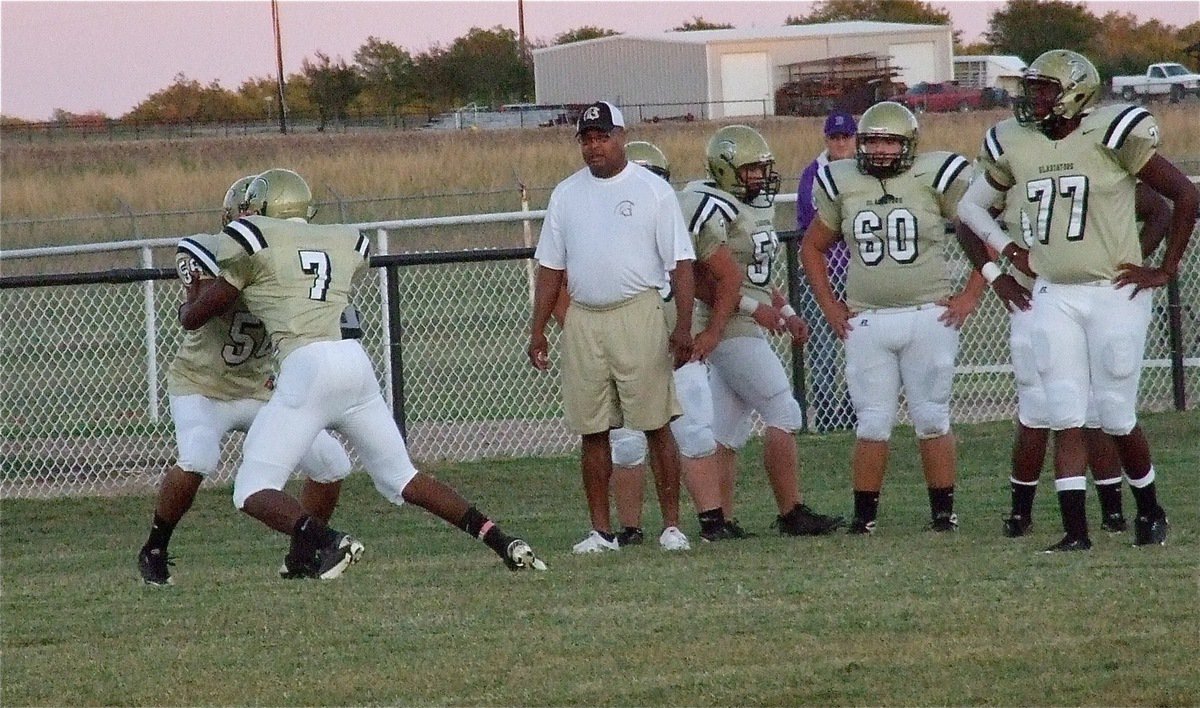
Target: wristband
787,311
747,305
990,271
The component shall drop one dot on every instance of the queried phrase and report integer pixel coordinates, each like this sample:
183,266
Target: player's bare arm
206,299
722,274
545,293
1155,214
684,286
796,325
817,242
1166,179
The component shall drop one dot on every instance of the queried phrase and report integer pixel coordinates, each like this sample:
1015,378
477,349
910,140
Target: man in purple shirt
827,394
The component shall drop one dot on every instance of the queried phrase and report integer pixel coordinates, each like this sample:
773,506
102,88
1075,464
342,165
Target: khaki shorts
616,367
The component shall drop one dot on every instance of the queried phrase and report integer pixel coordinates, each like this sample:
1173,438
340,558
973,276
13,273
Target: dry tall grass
78,178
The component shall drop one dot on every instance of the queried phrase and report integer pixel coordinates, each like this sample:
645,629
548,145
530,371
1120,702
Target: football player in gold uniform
735,209
296,277
900,319
218,381
1073,168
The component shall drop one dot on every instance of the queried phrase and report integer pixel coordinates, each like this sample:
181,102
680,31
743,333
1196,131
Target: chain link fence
84,405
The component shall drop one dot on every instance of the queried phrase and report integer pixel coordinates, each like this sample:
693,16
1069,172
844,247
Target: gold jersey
1075,195
895,227
228,357
295,276
715,217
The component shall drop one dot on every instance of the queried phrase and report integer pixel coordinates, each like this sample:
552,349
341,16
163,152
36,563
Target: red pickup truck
949,96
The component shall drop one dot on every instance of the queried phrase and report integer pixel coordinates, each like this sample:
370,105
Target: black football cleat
1016,526
943,523
1114,522
858,527
631,536
803,521
1069,543
152,564
1151,531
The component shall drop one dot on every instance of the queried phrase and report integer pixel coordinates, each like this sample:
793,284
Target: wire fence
84,404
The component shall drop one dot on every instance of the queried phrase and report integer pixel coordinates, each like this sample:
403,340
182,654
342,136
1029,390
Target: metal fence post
396,348
385,311
799,389
1175,339
527,226
151,338
342,219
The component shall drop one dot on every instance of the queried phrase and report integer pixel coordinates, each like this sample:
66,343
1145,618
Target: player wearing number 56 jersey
900,320
296,277
1073,170
218,381
735,208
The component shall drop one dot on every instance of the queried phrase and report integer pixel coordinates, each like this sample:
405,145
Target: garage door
916,61
746,79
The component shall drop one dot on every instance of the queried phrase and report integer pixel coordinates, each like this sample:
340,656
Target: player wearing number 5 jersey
1073,170
296,277
899,321
218,381
736,208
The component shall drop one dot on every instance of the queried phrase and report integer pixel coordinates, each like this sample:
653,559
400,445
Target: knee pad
694,437
1066,404
930,419
628,447
325,460
874,425
199,453
392,482
252,479
1115,415
1121,359
781,411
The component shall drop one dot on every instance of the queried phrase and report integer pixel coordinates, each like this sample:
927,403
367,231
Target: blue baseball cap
840,123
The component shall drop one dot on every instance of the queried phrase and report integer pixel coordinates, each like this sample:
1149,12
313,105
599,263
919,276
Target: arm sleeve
805,200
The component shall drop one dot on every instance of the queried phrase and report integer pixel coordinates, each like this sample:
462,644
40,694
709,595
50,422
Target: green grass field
431,617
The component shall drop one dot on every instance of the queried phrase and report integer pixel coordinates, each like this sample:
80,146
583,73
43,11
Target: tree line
490,67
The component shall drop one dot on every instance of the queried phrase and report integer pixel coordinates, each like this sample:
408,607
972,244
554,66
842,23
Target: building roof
758,33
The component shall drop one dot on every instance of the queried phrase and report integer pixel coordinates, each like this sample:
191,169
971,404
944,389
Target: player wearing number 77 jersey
900,321
218,381
1073,170
296,277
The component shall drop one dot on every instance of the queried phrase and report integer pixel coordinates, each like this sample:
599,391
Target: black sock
160,533
712,520
1022,498
484,529
1110,497
1074,512
866,505
941,501
1145,494
308,535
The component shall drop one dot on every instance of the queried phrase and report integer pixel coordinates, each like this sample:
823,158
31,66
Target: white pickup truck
1169,79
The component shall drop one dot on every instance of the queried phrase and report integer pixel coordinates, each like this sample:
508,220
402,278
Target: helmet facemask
732,151
886,120
1058,86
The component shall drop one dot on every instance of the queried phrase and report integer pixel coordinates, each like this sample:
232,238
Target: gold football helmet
235,197
1078,88
649,156
279,194
731,151
887,119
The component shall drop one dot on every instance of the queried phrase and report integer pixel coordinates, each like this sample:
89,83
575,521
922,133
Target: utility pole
521,30
279,66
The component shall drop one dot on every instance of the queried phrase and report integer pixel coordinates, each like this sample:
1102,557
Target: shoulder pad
1119,123
940,168
247,234
201,253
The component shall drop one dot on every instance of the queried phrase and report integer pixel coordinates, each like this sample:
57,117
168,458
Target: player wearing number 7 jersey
1073,170
218,381
900,321
296,277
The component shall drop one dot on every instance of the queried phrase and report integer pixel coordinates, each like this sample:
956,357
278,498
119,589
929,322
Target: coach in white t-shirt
614,230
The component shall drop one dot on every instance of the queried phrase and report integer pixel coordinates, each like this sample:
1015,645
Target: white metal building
721,73
992,70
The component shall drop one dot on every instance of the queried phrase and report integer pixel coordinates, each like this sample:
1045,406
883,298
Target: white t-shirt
615,237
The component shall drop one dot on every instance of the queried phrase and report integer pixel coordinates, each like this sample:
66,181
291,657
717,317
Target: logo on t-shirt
625,208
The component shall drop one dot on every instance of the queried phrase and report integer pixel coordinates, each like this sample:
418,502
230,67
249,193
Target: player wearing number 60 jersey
296,277
218,381
735,208
900,320
1073,169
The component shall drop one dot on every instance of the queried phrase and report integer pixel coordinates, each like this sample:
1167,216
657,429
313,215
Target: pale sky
110,56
